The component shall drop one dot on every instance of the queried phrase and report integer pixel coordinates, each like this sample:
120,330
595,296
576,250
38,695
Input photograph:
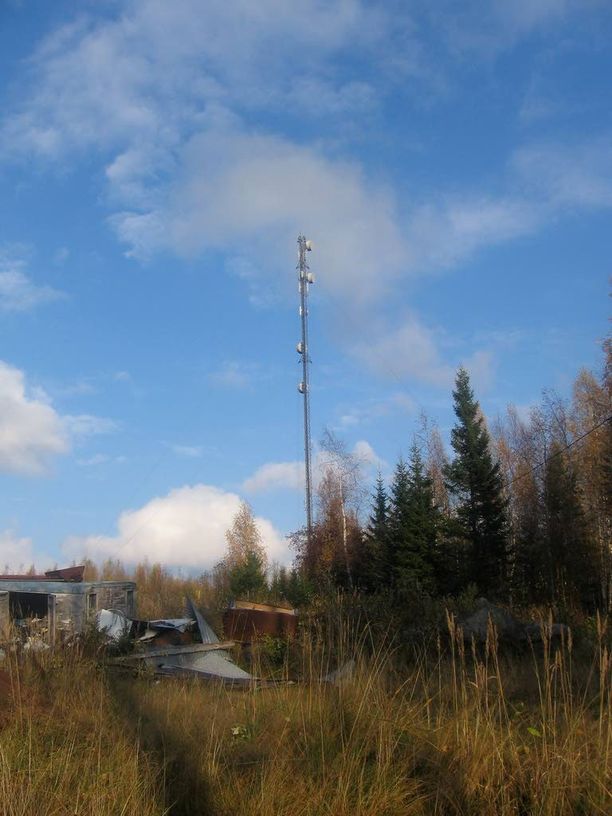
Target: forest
519,511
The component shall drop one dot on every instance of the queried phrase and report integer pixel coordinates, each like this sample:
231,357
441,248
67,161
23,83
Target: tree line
519,512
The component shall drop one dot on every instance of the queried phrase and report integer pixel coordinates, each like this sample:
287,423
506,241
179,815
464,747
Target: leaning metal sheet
217,664
206,632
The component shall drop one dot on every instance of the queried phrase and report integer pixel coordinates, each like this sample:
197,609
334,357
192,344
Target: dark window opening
92,604
25,605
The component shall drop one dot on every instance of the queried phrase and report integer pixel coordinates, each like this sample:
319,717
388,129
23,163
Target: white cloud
413,351
237,189
276,475
444,232
16,554
496,25
367,456
184,529
375,409
31,432
188,451
409,351
561,177
83,425
140,75
481,367
95,460
273,476
17,292
165,92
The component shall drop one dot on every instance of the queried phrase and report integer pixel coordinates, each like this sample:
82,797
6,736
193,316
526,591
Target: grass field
443,731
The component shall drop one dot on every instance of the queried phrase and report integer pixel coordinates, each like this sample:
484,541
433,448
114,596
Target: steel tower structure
305,278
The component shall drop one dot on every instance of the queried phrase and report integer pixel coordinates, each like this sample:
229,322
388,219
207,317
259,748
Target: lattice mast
305,278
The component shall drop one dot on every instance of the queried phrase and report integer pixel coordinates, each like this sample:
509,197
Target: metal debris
115,625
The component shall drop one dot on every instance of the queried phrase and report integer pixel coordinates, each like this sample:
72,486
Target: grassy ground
447,733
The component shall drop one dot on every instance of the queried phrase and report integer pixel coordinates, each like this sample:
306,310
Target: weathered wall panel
69,614
119,596
4,612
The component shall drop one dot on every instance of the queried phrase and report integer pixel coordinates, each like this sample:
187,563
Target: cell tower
305,278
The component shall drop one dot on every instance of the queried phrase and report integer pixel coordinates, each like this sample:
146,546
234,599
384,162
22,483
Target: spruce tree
248,578
374,571
398,521
530,570
475,485
572,569
416,544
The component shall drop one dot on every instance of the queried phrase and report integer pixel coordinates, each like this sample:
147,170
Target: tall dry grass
63,748
454,730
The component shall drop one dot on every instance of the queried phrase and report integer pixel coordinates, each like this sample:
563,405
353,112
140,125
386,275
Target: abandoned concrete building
60,603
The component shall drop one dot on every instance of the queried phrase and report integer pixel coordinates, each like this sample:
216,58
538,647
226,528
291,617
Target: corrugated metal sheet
212,664
206,632
73,574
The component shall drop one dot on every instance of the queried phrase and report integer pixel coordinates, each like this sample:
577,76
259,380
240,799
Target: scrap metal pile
177,647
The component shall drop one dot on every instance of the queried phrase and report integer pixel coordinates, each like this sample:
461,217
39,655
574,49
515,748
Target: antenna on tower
305,278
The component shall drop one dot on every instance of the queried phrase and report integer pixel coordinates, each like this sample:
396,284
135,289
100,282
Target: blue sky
452,163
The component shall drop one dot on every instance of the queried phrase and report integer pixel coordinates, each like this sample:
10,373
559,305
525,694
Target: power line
559,452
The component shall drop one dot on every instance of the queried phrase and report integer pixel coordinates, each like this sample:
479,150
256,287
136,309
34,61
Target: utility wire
559,452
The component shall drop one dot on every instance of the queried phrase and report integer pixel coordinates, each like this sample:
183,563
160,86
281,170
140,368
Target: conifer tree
248,579
571,557
416,544
243,570
398,521
374,573
475,485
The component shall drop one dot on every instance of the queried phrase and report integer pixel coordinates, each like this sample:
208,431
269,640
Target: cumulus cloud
238,189
366,455
18,293
276,475
31,431
273,476
408,351
15,553
18,554
183,529
413,350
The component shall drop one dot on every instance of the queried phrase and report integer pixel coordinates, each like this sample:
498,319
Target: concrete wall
120,595
70,615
